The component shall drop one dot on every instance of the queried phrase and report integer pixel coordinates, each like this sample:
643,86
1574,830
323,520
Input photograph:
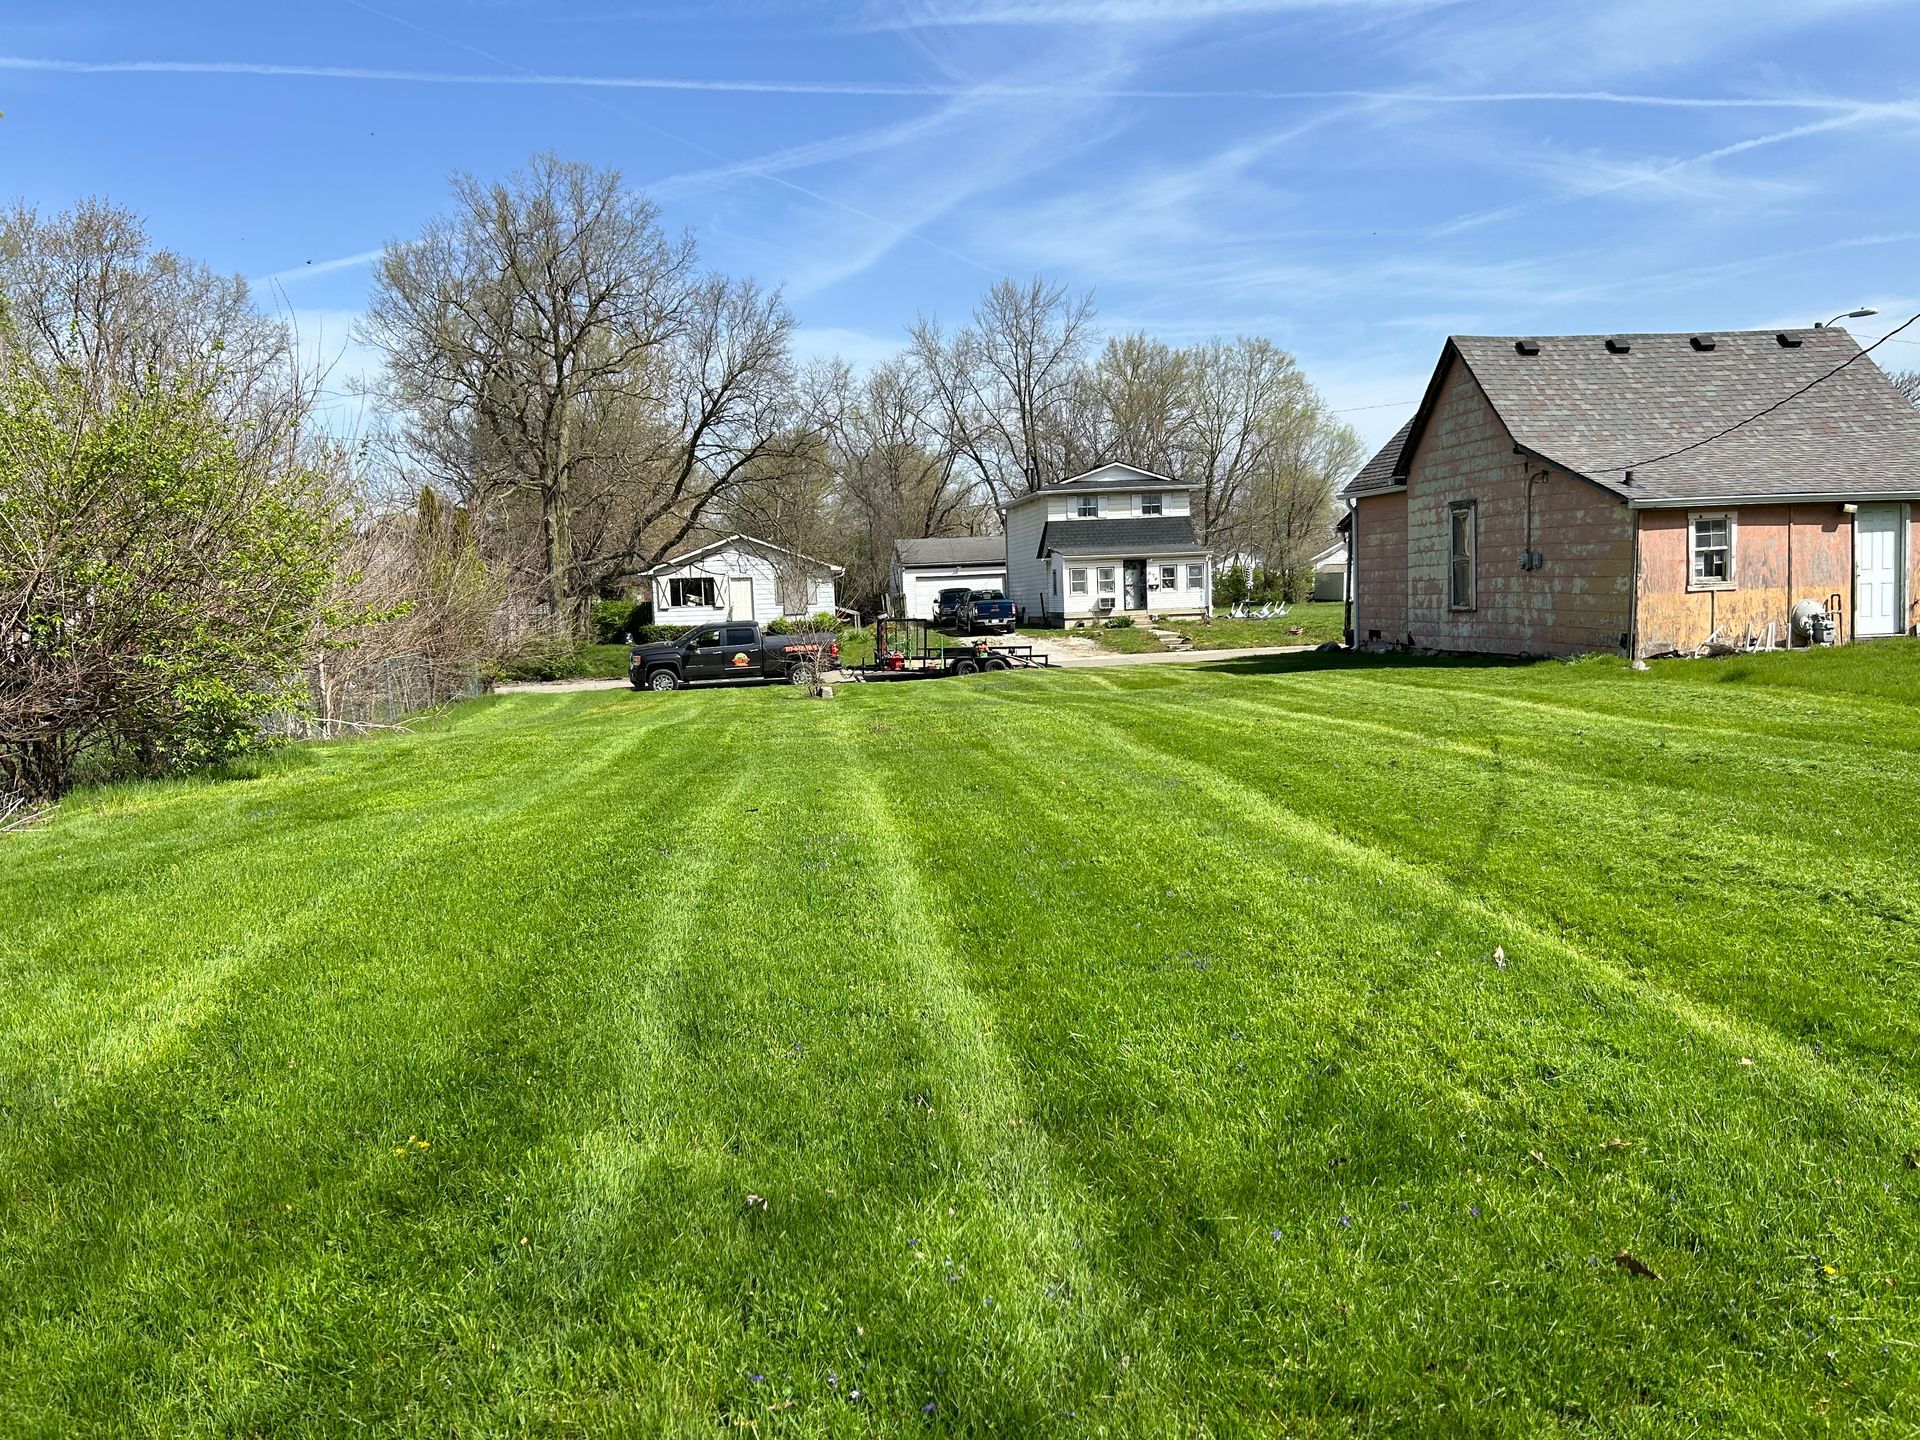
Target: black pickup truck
721,654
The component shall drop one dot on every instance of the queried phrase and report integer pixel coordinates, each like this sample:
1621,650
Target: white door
740,597
1876,570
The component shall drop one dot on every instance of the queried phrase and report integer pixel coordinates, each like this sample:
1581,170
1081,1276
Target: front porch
1093,588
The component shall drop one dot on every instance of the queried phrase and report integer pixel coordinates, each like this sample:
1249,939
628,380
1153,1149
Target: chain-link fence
352,698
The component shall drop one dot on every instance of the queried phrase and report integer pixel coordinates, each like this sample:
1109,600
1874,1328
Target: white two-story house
1115,541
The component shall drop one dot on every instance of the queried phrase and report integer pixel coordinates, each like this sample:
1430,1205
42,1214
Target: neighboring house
1330,572
1115,541
923,568
738,578
1592,492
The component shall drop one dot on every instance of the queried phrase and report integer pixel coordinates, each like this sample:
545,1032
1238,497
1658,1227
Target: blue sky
1353,178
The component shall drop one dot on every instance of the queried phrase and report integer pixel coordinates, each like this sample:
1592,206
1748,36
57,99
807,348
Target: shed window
1149,504
1169,577
699,590
1106,579
1711,543
1089,507
1077,580
1461,540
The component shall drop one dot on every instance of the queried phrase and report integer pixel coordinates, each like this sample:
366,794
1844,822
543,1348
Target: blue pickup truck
983,612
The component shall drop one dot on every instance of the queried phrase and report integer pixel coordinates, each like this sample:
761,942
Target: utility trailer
906,649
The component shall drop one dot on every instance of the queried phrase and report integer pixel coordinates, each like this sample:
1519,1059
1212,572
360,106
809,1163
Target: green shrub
786,625
614,620
1230,587
1120,622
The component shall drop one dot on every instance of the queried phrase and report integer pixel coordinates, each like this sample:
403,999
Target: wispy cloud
296,273
1114,12
1065,88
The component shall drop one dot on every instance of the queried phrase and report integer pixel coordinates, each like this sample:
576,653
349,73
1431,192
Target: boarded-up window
1712,547
697,590
1460,547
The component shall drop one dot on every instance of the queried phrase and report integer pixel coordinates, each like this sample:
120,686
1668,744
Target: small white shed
923,568
738,578
1330,572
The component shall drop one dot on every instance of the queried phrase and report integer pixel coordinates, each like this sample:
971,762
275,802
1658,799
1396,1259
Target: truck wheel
966,667
663,679
801,674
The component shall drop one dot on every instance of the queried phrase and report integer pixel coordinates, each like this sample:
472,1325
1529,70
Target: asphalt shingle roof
1598,404
1378,473
1146,535
952,550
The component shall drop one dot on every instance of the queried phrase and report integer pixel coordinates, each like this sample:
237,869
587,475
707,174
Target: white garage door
923,590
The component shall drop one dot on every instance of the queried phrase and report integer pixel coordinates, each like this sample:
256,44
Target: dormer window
1089,507
1149,504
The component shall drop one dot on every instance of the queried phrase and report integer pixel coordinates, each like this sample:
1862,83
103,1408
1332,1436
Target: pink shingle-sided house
1594,492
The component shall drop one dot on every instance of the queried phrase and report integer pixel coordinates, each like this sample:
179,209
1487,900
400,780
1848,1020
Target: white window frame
1695,580
1077,580
1197,576
1471,510
1103,577
1152,505
712,590
1088,508
1169,577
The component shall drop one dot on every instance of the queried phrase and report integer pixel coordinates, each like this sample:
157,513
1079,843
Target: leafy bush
795,626
1120,622
1230,587
614,620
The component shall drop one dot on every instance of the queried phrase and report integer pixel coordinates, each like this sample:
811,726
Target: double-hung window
1461,541
1710,546
1077,580
1196,577
1104,573
1089,507
1169,577
1149,504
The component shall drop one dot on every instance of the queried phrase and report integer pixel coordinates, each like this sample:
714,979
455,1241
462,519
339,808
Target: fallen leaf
1627,1261
1912,1158
1616,1143
1746,1061
1499,957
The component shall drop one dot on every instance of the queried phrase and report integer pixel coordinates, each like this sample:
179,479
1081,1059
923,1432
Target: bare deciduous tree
1011,384
539,304
1907,382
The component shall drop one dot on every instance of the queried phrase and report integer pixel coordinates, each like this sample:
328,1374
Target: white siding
723,565
1026,572
1180,602
918,585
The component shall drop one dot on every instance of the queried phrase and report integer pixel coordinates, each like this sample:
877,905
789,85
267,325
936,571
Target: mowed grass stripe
1115,992
1661,1113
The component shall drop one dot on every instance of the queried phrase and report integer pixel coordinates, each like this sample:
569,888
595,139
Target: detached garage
923,568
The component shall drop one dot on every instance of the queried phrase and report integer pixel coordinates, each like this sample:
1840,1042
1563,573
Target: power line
1761,415
1384,405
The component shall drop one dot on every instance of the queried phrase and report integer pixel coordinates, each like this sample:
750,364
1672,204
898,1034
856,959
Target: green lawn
1102,1052
1318,622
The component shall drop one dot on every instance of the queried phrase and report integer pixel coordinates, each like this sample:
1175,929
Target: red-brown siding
1380,568
1782,554
1576,601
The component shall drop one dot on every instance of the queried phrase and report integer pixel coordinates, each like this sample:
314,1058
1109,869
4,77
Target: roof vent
1788,342
1703,342
1526,347
1618,345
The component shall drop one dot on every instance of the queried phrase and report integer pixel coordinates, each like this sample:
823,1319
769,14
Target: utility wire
1783,400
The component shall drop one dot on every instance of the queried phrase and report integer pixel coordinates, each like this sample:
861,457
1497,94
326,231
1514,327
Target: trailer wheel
998,663
966,667
663,679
